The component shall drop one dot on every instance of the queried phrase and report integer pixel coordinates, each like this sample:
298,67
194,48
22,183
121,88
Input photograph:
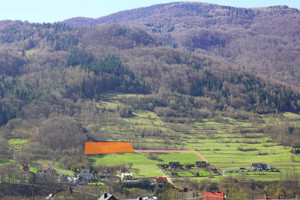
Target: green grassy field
16,143
146,167
225,142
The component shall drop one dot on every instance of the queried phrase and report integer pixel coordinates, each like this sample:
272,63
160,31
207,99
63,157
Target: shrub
262,153
241,148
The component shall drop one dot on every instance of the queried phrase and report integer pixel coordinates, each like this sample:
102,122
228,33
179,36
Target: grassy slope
217,140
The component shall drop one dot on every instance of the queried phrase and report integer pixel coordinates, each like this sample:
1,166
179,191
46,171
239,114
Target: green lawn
145,166
5,161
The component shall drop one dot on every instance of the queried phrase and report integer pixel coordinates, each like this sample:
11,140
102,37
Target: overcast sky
58,10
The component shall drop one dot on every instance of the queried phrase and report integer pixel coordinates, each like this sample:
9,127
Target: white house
126,176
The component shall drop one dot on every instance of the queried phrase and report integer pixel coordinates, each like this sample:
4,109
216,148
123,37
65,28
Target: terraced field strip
171,151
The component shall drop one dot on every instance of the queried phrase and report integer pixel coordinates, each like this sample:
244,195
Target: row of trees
285,134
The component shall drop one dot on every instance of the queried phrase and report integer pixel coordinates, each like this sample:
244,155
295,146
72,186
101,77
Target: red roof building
160,180
212,196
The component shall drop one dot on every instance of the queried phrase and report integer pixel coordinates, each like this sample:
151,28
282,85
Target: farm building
212,196
160,180
126,176
258,167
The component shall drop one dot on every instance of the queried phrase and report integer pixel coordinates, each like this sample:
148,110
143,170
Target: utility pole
32,192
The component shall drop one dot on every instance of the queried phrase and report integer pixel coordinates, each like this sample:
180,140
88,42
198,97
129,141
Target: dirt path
171,151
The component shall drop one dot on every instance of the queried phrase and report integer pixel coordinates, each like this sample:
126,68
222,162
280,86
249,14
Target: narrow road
171,151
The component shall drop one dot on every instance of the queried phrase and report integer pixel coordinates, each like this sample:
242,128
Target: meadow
227,143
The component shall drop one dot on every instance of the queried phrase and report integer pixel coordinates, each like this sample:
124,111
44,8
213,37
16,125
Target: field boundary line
172,151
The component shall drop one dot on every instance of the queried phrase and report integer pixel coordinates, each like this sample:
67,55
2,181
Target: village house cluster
86,176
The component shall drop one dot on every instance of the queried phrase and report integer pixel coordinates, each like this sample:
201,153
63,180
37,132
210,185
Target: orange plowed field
92,148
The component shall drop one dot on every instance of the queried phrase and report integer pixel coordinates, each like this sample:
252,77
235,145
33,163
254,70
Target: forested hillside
261,40
54,78
47,63
213,79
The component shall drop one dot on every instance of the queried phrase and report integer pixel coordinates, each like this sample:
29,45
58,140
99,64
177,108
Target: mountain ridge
94,21
263,40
